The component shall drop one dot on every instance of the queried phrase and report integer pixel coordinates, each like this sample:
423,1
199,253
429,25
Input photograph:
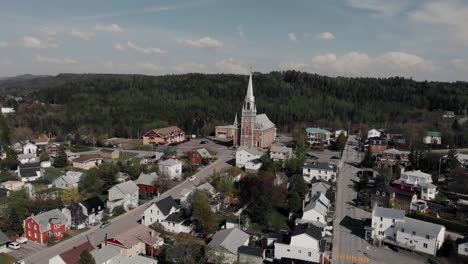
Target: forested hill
127,105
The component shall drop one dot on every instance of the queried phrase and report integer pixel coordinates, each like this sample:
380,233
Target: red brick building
196,156
148,183
377,145
51,225
164,136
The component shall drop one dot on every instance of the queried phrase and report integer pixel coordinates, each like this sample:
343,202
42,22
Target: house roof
253,151
463,240
128,187
175,218
433,134
29,169
230,239
166,204
71,177
317,130
320,166
206,186
308,229
147,179
34,165
422,228
73,255
85,158
27,156
169,162
318,205
392,151
93,203
4,238
135,235
104,254
255,161
388,213
164,132
252,251
418,174
262,122
204,153
53,216
319,187
280,149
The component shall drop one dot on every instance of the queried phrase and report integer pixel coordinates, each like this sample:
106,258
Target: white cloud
132,46
108,28
35,43
292,36
3,44
231,66
292,65
384,7
361,64
40,58
189,67
452,14
326,36
82,34
203,43
240,30
118,46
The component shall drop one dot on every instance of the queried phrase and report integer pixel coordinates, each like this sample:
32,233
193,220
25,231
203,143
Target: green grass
80,148
6,259
52,173
127,155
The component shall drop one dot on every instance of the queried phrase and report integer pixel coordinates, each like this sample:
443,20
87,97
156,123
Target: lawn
127,155
52,173
80,148
7,259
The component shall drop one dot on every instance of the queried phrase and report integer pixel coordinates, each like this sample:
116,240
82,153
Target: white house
29,171
319,171
85,213
338,133
432,138
176,223
305,244
123,194
29,148
463,246
413,181
244,155
160,210
374,133
69,180
8,110
318,136
315,211
171,168
253,165
463,159
280,153
87,162
28,158
391,225
226,242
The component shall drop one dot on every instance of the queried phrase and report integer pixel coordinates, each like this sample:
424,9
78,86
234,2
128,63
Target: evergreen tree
61,160
201,210
11,161
298,185
294,202
15,223
86,258
341,141
452,160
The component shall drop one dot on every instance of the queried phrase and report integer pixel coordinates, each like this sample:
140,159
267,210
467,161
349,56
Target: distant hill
127,105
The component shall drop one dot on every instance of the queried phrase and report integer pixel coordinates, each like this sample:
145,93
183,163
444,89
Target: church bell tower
248,120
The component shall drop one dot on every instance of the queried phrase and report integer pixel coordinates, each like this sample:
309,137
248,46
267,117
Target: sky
419,39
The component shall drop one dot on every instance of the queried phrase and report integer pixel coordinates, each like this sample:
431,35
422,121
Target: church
254,130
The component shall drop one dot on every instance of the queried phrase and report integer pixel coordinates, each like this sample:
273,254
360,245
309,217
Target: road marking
353,258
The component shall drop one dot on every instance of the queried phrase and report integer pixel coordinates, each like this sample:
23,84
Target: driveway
25,250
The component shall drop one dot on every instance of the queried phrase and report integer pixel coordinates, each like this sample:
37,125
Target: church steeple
249,102
235,120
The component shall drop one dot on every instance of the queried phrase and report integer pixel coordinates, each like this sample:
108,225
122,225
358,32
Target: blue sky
422,39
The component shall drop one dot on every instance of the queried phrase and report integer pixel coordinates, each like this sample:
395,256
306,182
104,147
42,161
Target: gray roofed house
253,255
388,213
29,171
147,179
208,187
166,204
175,217
280,153
254,251
317,206
320,166
253,151
54,216
309,229
204,153
123,194
422,228
230,240
69,180
169,162
319,187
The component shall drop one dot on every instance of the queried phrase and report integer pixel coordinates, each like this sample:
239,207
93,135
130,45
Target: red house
377,145
148,183
51,225
196,156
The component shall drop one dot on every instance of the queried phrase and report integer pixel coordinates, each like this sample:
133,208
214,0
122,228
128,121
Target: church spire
249,104
235,120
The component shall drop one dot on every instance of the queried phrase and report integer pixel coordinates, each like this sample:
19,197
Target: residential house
85,213
391,157
338,133
110,153
393,227
49,193
416,182
318,188
304,243
4,241
432,138
171,168
463,246
226,243
176,223
315,211
164,136
375,133
72,256
280,153
253,166
12,185
136,240
148,183
87,162
29,172
52,149
17,147
377,145
68,181
463,159
318,136
252,255
109,254
29,148
123,194
319,171
244,155
448,114
28,158
198,155
160,210
50,225
7,110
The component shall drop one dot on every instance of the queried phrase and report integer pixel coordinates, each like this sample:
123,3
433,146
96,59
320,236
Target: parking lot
25,250
197,143
323,156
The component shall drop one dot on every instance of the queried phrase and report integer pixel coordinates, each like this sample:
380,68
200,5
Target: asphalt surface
123,222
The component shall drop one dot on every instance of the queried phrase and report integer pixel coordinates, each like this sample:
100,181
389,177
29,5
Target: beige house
87,162
110,153
12,185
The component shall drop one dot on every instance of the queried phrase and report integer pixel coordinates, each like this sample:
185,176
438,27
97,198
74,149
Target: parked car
21,240
105,224
20,262
204,142
334,157
14,245
192,178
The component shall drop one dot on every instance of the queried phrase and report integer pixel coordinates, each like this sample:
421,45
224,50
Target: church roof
263,122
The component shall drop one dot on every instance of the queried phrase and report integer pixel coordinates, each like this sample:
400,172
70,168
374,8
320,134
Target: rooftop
169,162
72,256
320,166
230,239
388,213
421,228
317,130
85,158
252,251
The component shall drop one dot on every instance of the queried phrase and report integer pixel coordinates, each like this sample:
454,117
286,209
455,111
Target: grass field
6,259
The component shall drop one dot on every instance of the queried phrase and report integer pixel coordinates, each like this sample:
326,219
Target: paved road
123,222
349,245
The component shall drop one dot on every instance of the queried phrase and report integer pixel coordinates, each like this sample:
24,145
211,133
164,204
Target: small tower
248,119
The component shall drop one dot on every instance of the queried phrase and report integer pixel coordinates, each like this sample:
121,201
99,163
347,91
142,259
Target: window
427,236
300,251
288,250
381,225
403,230
310,253
414,233
393,220
425,245
381,218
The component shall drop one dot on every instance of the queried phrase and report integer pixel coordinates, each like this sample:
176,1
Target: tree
223,184
61,160
368,160
186,250
170,152
452,160
294,165
86,258
69,196
297,184
11,161
15,225
341,141
91,182
448,247
118,210
201,210
267,163
108,173
294,202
